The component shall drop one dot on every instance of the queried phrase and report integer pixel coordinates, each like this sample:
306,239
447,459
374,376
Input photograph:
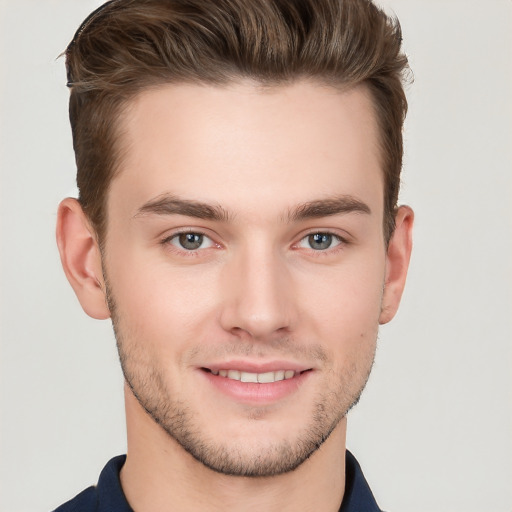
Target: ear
397,263
81,258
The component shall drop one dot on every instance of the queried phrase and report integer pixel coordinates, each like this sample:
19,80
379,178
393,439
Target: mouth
257,383
259,378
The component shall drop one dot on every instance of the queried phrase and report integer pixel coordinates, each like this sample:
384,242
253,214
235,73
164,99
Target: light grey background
433,431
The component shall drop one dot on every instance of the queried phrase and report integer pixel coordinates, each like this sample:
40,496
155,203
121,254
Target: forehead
245,146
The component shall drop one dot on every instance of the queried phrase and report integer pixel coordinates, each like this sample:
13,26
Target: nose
258,296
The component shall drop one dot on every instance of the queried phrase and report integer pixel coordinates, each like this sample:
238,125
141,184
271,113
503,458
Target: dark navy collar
108,495
111,497
358,496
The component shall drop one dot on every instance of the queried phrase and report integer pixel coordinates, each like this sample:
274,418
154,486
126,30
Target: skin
258,291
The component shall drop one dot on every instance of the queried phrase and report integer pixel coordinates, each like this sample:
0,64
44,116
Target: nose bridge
258,289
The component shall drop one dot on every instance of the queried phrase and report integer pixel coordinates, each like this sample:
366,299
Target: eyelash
167,242
329,251
340,245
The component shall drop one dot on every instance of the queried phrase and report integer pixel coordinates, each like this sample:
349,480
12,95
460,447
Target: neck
159,476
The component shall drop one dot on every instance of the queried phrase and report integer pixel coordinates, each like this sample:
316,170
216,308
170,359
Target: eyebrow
326,207
171,205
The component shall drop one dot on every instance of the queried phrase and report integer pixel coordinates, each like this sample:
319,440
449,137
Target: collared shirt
108,495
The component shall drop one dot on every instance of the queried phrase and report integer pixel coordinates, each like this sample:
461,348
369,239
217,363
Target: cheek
158,304
346,309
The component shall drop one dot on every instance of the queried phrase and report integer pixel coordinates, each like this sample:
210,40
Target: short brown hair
127,46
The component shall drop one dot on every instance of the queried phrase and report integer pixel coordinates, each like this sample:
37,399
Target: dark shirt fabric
108,495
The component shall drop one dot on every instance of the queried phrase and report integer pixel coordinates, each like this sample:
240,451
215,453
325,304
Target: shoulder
86,501
106,496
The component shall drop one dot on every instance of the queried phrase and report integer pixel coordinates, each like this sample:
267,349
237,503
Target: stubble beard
147,383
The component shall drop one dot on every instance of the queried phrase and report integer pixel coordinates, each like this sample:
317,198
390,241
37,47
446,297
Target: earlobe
81,258
397,263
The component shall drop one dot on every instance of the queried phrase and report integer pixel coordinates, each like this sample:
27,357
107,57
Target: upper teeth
263,378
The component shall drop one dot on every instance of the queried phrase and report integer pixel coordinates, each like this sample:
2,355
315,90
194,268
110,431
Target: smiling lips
251,385
262,378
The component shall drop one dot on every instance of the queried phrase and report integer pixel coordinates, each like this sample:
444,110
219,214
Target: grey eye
319,241
191,241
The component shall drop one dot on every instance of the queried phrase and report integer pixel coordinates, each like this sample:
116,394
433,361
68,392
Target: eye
190,241
319,241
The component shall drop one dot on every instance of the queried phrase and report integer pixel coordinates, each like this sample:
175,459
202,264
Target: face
245,265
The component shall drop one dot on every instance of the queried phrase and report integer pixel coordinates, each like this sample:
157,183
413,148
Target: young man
238,167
